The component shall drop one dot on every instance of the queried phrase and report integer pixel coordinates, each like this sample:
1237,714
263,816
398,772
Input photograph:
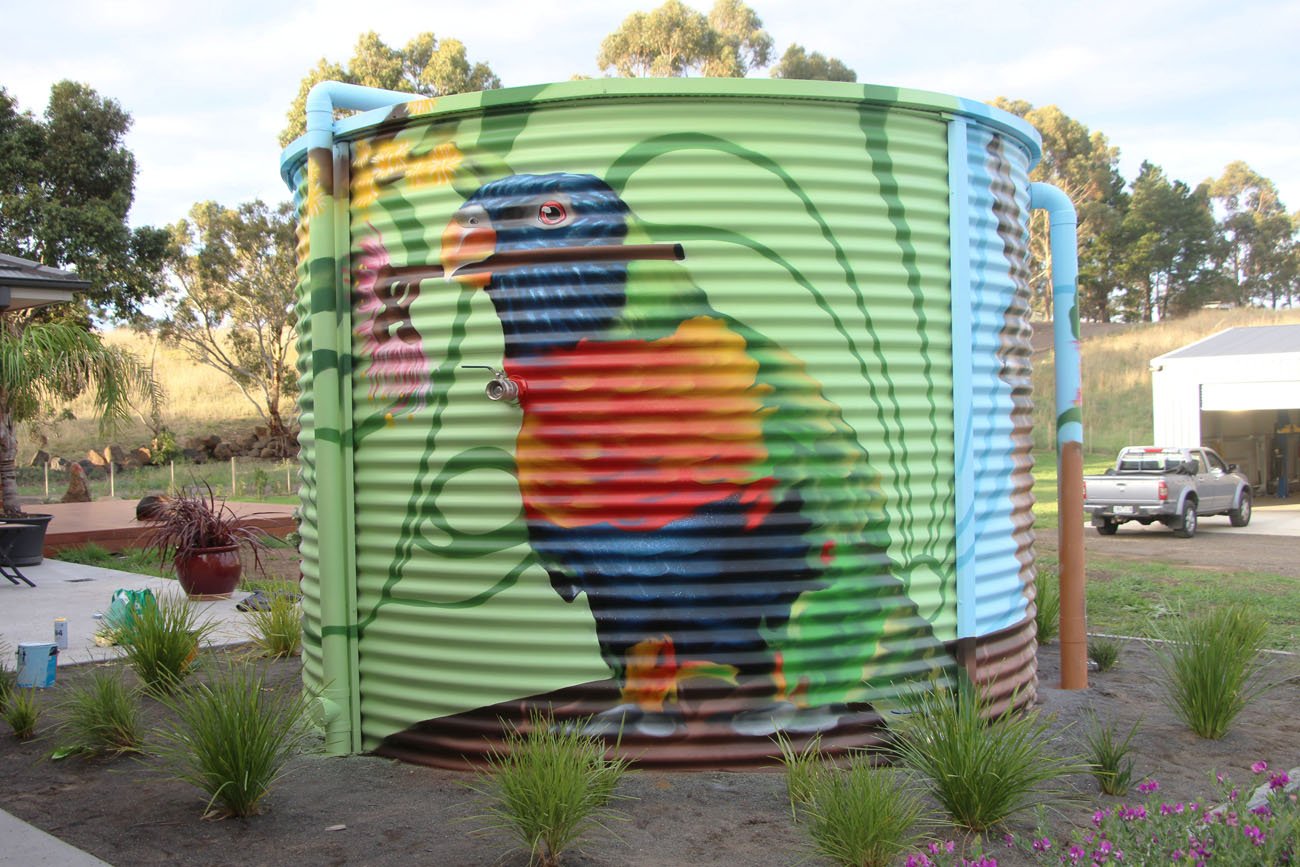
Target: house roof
1253,340
24,283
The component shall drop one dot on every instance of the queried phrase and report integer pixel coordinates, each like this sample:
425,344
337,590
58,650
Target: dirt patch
1213,552
126,812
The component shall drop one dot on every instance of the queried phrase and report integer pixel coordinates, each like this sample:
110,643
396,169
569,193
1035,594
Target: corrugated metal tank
768,467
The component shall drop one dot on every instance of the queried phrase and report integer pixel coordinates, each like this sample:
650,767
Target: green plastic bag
123,609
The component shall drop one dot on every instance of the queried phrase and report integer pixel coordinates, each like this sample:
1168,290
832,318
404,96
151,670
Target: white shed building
1238,392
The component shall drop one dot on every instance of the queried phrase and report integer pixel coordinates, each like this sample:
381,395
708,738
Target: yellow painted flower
438,168
390,159
421,106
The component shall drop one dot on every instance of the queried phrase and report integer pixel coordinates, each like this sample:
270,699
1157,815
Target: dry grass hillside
1117,379
1116,386
199,401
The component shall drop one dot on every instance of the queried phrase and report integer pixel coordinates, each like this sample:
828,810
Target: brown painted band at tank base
1074,627
1006,673
111,524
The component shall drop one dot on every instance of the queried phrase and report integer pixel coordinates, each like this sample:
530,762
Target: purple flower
1278,780
1259,767
1076,852
1042,844
1262,810
1148,786
918,860
1100,816
1009,839
1254,834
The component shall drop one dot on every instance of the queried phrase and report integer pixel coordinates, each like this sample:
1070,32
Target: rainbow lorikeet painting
679,469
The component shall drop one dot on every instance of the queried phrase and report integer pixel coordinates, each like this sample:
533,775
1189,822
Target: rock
58,464
115,454
196,456
245,442
260,431
268,452
96,459
78,485
40,459
211,442
222,452
140,457
192,443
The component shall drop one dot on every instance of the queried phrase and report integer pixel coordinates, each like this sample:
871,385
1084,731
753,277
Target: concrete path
26,846
77,593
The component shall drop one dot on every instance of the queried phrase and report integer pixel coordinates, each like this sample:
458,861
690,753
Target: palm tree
47,362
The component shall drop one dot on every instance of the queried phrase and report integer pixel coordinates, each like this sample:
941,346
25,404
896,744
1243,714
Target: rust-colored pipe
1069,430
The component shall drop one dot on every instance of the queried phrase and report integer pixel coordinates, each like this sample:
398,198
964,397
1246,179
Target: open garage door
1239,396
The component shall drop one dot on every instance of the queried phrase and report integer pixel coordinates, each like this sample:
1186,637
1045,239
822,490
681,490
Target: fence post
112,481
233,489
173,486
47,480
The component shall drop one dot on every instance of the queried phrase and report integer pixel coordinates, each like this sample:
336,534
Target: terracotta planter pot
210,573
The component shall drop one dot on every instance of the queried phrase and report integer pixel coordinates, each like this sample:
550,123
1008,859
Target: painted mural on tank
719,521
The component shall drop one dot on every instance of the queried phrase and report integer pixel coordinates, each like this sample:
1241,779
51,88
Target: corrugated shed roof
15,271
1254,340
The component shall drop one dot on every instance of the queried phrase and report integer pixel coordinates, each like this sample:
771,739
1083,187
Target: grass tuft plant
1104,652
548,786
1212,666
232,738
1047,605
862,816
1109,753
22,712
803,769
980,771
102,716
277,630
162,644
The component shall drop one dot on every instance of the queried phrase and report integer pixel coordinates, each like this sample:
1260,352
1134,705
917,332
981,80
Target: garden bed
365,810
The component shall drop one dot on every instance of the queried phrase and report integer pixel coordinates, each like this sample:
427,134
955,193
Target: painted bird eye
551,213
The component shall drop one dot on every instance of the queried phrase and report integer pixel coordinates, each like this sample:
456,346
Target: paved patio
77,592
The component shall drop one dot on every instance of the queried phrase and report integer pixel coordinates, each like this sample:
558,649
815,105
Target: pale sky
1189,85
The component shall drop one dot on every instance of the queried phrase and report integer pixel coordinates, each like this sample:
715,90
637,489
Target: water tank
684,412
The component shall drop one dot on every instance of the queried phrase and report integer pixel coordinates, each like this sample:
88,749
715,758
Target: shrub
980,773
1104,652
548,786
162,644
21,712
277,629
1109,754
232,738
1211,665
102,715
803,769
1047,606
862,816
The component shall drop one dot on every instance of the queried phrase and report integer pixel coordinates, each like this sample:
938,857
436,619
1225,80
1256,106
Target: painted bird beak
468,240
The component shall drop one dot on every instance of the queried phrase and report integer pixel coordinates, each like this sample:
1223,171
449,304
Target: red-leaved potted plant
203,537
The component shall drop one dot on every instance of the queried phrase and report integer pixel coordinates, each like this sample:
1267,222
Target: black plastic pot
28,545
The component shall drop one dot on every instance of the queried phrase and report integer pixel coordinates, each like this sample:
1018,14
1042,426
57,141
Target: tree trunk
8,465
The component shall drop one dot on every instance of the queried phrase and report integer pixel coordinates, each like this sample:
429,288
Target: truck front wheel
1240,516
1186,527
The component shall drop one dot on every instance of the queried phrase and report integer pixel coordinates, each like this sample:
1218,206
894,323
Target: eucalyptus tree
674,40
1262,257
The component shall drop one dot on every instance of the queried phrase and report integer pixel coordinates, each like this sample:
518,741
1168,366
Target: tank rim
446,107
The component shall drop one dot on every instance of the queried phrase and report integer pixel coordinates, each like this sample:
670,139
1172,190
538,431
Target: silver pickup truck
1172,486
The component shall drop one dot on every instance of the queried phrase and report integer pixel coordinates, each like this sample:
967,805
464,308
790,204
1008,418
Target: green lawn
1045,512
1127,597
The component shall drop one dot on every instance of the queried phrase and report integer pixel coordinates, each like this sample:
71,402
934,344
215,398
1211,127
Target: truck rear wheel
1107,527
1186,528
1240,516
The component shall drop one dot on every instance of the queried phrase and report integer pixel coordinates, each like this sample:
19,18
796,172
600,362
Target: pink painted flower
399,370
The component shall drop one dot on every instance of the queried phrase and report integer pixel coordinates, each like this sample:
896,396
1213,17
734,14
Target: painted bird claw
631,719
763,721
